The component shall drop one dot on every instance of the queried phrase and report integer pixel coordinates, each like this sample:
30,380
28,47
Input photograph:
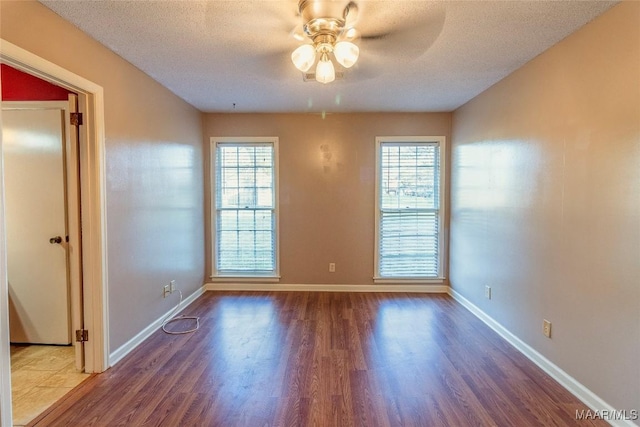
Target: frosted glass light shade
346,53
325,72
304,57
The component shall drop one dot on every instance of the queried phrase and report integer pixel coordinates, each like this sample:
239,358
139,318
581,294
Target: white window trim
441,140
215,276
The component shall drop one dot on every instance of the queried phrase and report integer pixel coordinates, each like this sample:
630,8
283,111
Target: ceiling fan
328,33
372,37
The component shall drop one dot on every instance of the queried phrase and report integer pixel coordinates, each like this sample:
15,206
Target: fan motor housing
323,17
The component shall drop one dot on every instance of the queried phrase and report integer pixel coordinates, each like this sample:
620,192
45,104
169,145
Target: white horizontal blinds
245,208
409,210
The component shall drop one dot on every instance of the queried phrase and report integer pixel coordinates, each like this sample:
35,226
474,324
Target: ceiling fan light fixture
304,57
327,27
325,71
346,53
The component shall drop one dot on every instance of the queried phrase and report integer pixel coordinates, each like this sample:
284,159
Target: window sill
408,281
244,279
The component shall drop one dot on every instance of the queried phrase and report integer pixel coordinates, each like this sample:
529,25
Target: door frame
93,217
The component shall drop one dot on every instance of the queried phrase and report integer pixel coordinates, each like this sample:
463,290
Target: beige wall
546,204
327,168
153,165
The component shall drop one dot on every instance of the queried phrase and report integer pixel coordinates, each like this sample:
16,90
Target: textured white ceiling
433,56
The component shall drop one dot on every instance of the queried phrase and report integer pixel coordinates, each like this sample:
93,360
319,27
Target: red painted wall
19,86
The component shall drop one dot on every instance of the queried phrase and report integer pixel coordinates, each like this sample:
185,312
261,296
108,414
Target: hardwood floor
322,359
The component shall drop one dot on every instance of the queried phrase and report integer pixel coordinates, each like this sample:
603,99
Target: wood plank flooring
322,359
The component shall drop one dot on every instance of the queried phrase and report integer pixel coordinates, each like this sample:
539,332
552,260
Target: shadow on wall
19,318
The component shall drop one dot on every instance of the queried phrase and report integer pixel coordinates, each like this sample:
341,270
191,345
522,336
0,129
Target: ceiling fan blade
369,66
273,65
409,40
351,14
378,19
256,19
386,46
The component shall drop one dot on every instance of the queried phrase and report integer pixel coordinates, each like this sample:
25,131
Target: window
409,216
244,207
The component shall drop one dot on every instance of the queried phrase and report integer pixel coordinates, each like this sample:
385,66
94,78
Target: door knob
55,240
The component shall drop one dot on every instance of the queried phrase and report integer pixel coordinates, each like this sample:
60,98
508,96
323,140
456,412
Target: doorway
92,218
43,253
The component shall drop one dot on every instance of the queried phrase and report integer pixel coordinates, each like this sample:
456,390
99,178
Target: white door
34,174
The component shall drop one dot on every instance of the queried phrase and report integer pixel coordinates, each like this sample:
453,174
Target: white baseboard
438,289
589,398
128,347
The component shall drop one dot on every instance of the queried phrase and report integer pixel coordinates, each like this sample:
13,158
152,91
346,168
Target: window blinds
409,210
245,209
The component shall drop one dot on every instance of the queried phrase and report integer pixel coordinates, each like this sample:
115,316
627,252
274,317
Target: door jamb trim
93,190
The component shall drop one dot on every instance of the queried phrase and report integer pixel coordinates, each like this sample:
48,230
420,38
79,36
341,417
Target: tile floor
40,375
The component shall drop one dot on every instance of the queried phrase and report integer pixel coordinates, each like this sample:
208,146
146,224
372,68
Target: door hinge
76,119
82,335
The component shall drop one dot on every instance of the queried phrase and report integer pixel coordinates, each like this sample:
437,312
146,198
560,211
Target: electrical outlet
172,286
487,292
332,267
166,291
546,328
